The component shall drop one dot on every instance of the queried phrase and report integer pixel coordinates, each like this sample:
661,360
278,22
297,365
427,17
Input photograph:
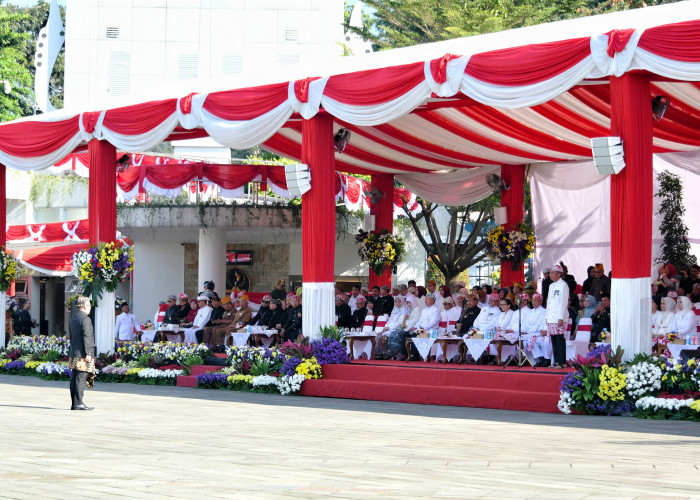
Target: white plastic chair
579,346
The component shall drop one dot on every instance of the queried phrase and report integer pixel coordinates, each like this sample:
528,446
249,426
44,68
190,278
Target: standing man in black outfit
385,301
25,323
82,351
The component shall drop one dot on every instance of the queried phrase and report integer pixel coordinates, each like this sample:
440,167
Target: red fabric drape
632,190
383,219
246,104
231,177
664,41
30,139
52,232
102,198
529,64
139,118
512,199
364,88
53,258
318,204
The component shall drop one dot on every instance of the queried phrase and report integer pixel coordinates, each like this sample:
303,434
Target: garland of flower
10,269
381,251
515,246
103,267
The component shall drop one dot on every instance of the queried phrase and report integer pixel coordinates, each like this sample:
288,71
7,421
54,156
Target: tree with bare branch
459,245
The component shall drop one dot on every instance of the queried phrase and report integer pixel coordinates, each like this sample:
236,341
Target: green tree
675,247
30,21
399,23
461,244
16,94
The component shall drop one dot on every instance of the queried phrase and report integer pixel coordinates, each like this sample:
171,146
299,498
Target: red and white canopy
72,230
533,103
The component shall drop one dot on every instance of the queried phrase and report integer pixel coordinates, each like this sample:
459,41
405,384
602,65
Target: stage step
199,369
186,381
478,388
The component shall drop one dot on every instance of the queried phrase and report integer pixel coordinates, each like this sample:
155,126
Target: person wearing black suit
466,321
385,302
358,317
343,312
81,353
292,326
25,323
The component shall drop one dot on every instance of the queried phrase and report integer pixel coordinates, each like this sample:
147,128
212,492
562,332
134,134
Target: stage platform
477,386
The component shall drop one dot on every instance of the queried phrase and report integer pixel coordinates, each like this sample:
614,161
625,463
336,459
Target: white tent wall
571,211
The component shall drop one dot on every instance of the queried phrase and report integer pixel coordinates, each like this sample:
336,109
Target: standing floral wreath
381,251
515,246
103,267
10,269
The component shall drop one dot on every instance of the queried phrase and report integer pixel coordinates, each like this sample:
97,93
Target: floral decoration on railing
514,246
381,251
103,267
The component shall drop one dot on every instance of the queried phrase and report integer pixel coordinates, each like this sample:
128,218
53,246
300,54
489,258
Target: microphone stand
520,361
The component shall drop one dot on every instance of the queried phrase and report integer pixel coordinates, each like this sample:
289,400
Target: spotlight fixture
608,155
298,178
496,183
659,106
341,139
374,195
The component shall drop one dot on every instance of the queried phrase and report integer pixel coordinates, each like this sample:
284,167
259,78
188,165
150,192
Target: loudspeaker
500,215
298,178
608,155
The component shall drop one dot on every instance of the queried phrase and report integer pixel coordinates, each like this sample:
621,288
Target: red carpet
523,389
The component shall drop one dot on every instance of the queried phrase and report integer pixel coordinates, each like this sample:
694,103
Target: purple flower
15,365
330,352
289,367
212,380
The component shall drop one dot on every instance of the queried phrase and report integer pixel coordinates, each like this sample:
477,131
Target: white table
476,347
675,349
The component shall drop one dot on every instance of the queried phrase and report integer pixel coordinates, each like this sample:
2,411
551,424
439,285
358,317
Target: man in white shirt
126,324
353,299
429,319
429,316
519,319
196,333
407,297
487,319
535,330
557,314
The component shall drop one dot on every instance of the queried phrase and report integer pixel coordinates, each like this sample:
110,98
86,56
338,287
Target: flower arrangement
514,246
330,351
54,371
612,384
11,305
10,269
39,345
103,267
309,368
382,251
643,378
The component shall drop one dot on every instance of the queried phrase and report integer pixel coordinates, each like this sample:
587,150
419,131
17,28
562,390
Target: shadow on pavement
621,424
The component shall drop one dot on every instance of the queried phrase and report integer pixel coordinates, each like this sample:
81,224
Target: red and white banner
73,230
517,105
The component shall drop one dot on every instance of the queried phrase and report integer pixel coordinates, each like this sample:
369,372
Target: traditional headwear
537,296
360,298
545,270
364,290
291,294
493,296
524,296
225,300
448,300
472,297
266,298
696,285
462,284
403,286
183,296
518,285
672,295
243,297
340,297
430,296
556,268
172,297
387,288
599,267
431,282
590,310
299,290
203,298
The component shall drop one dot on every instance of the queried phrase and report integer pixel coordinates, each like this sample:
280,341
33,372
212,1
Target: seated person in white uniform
538,342
126,324
685,323
449,314
519,319
195,334
487,319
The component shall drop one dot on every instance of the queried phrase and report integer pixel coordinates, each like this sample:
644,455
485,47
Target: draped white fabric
3,300
454,72
452,189
318,308
104,323
571,211
630,315
245,134
620,63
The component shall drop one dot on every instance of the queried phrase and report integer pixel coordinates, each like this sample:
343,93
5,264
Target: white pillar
212,259
104,324
3,299
49,306
35,299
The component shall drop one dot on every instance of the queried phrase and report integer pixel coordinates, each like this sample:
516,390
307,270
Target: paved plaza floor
168,442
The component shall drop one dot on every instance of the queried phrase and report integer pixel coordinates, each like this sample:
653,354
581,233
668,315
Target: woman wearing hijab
655,316
685,323
665,322
396,321
588,310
